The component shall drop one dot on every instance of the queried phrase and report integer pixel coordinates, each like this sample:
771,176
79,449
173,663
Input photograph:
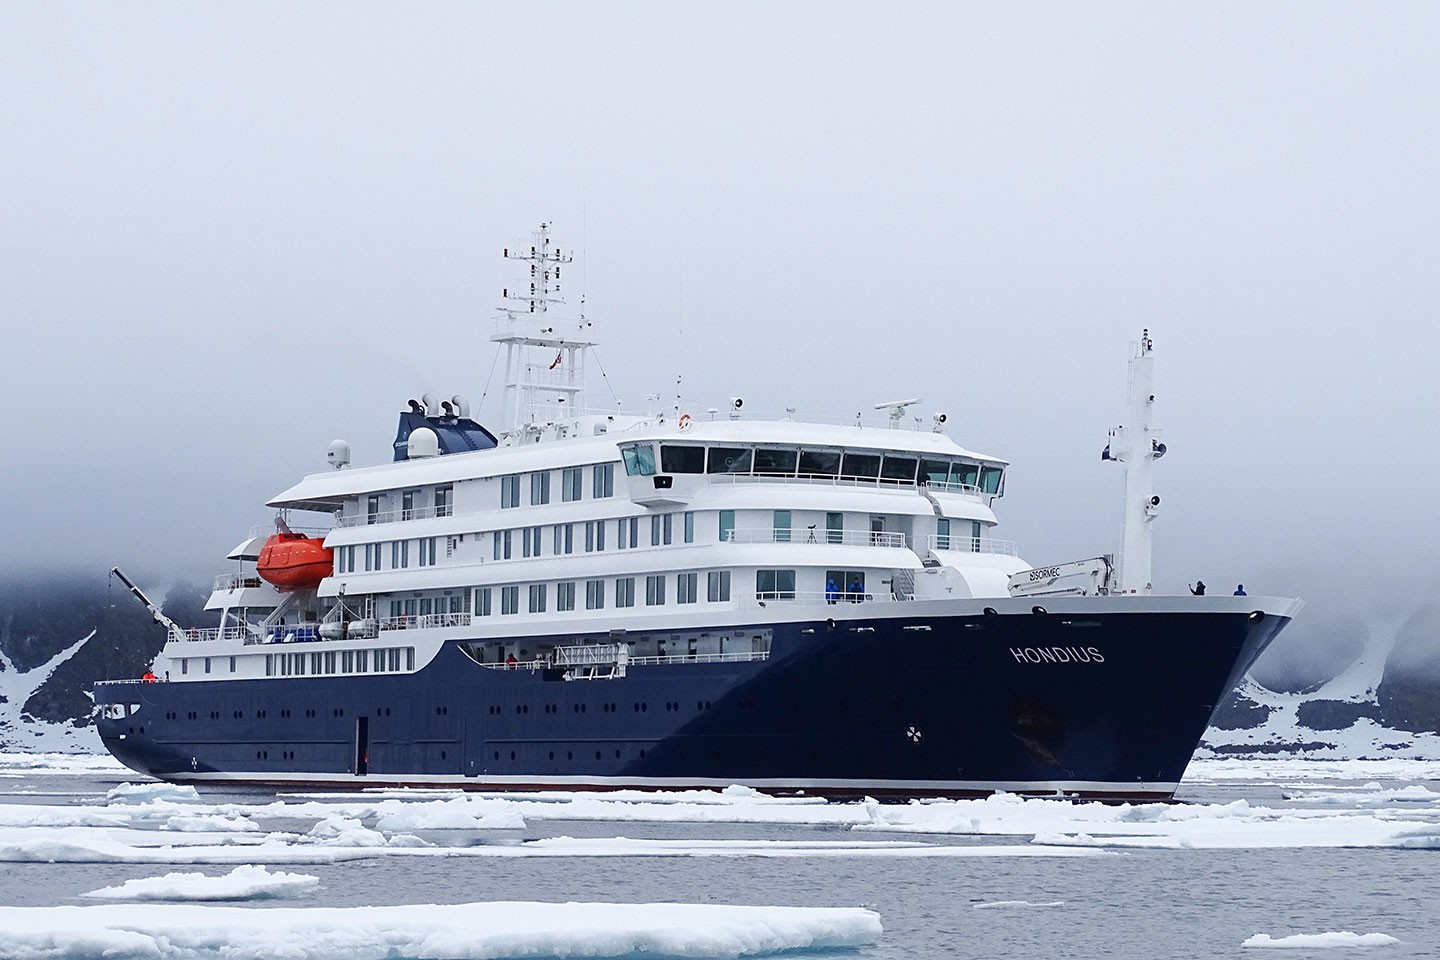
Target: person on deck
1240,590
855,593
1199,588
832,591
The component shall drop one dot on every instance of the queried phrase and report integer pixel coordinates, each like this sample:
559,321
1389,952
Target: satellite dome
338,455
423,443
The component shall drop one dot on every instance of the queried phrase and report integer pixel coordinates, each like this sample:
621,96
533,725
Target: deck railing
806,535
395,516
237,581
969,544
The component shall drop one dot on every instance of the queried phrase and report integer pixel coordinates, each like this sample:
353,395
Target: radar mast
1136,444
544,356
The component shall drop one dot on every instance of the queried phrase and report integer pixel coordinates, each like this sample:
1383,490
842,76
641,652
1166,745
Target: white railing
237,581
950,486
230,632
840,595
829,481
426,622
968,544
740,657
395,516
853,538
265,529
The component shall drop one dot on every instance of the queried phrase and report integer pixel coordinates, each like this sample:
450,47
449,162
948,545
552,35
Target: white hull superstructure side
602,600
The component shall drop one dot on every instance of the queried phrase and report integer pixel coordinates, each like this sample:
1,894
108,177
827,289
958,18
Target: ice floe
451,932
1008,904
1313,941
246,882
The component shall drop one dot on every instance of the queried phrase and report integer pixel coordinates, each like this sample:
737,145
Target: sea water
1238,870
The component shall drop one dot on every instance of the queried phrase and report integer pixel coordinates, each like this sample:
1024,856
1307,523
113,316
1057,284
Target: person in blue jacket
1240,590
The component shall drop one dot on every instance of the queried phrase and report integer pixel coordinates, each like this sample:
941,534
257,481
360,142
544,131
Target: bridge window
898,469
990,480
774,584
934,471
860,466
678,459
729,460
774,462
819,463
965,474
639,459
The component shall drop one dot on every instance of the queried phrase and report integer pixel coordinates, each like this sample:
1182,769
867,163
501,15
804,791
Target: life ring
685,421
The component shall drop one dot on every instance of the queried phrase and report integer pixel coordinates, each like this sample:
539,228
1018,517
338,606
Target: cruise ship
682,598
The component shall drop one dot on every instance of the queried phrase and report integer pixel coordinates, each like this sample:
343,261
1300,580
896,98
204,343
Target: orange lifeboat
293,561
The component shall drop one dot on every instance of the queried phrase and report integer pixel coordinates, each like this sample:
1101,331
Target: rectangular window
427,551
625,592
330,661
686,588
655,530
297,665
774,584
395,555
781,528
232,664
395,658
899,469
207,664
427,606
407,505
655,590
362,661
530,542
834,528
537,597
942,533
567,544
404,553
594,535
690,527
269,664
509,601
676,459
315,664
603,482
409,658
570,484
639,460
770,462
565,596
482,601
184,665
594,594
627,531
505,544
372,509
718,586
819,463
727,524
510,491
667,524
539,488
728,460
860,466
347,661
443,506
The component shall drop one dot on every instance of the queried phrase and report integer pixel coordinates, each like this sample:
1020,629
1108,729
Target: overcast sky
232,233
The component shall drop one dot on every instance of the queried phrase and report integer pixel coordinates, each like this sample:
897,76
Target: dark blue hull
1107,704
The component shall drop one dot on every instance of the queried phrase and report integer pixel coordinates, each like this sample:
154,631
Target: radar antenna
897,409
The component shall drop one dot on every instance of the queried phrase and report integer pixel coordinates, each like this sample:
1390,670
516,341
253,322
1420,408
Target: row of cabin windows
440,507
398,550
205,664
875,465
620,592
602,484
379,660
529,541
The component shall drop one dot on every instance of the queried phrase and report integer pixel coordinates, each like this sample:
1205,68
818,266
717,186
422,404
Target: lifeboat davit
293,561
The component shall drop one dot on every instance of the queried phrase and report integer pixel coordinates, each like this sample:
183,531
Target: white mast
1136,444
544,357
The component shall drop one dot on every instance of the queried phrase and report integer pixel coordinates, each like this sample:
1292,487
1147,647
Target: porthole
442,754
569,755
617,754
512,754
642,754
597,754
497,754
552,754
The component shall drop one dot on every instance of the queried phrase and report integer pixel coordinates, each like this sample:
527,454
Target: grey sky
230,234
